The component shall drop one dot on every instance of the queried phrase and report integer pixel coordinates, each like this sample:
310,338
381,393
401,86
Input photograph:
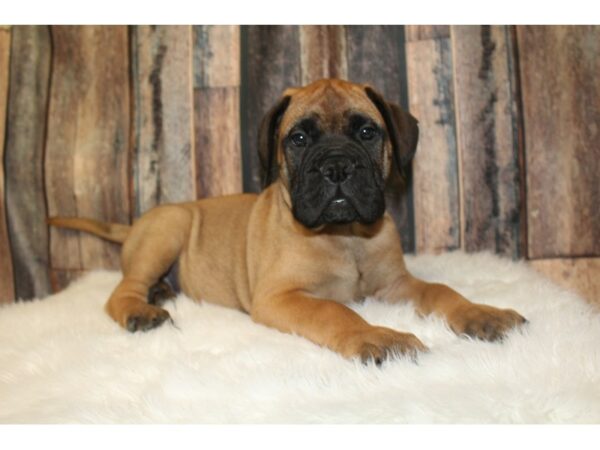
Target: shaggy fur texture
64,360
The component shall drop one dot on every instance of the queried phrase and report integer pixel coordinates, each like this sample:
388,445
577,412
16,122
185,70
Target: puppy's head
333,144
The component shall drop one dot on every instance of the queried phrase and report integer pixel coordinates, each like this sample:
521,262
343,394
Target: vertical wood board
487,139
7,291
163,158
322,52
25,139
559,68
87,149
218,143
436,189
216,56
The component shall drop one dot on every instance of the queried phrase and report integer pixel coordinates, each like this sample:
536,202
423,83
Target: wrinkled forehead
331,106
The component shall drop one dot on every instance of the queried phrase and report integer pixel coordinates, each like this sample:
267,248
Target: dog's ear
402,128
267,141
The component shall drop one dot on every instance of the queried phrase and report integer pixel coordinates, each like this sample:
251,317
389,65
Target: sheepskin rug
62,360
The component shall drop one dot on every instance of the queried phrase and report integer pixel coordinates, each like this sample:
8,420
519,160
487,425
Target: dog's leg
333,325
153,245
463,317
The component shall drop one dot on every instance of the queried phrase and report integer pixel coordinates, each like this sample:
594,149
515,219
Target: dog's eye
367,133
298,139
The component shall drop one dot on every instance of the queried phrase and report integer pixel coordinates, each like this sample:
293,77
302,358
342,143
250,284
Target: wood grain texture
559,68
581,275
216,56
425,32
87,148
217,110
271,64
7,292
25,139
376,56
163,157
487,138
435,181
217,141
322,52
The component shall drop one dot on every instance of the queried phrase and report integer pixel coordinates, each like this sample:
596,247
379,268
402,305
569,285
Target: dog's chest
342,278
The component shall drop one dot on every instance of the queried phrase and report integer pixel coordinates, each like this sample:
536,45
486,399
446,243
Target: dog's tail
114,232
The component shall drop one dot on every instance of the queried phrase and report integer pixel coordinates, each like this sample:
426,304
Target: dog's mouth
321,204
339,210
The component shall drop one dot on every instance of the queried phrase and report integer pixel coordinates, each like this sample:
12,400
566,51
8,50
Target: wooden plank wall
512,114
109,121
461,87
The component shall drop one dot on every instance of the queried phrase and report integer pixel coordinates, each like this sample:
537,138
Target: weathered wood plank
559,68
435,181
322,52
271,58
216,56
217,110
87,149
425,32
217,141
581,275
7,291
163,157
26,128
376,56
487,139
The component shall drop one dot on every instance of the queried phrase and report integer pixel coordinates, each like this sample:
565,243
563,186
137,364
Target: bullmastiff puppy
317,237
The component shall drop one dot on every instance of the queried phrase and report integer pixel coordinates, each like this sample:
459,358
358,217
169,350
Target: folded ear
267,141
402,128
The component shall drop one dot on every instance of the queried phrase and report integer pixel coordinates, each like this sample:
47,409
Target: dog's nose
337,169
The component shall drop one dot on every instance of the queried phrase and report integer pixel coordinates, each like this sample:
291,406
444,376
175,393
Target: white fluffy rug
64,360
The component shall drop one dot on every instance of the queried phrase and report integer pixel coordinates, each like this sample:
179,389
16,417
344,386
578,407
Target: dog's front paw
378,343
484,322
145,317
